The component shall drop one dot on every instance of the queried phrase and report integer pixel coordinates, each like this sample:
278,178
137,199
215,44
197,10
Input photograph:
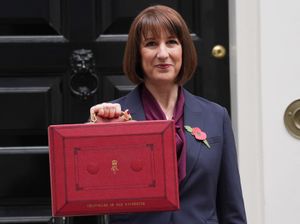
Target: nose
162,52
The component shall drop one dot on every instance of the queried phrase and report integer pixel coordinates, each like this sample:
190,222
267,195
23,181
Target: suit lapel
134,104
193,118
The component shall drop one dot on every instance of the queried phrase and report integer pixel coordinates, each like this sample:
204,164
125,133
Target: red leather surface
113,168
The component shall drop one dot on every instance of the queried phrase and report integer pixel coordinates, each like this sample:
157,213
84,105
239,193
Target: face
161,58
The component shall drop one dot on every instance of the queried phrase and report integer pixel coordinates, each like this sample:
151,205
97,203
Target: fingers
126,115
105,111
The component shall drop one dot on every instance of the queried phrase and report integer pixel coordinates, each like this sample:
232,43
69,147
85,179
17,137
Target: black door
58,58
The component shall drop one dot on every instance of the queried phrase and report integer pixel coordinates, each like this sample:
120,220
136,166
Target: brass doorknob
219,51
292,118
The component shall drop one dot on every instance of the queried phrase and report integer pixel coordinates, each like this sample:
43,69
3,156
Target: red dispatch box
113,168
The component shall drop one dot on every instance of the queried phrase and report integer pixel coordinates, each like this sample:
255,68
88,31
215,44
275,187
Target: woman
160,57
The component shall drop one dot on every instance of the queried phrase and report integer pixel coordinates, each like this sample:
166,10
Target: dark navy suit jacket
211,191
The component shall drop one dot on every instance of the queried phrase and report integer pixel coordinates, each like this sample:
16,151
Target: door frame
245,77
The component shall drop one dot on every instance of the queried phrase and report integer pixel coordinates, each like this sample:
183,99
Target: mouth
163,66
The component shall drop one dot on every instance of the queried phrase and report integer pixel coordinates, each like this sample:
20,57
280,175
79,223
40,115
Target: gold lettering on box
97,205
117,204
135,203
114,166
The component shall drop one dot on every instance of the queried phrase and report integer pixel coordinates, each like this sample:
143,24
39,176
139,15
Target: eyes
153,43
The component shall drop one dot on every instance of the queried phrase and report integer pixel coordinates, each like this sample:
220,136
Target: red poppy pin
198,134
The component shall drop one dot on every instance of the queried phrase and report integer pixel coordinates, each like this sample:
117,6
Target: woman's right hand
106,112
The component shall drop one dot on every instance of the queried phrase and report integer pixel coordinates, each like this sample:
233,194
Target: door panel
45,46
23,168
29,17
29,106
115,86
19,93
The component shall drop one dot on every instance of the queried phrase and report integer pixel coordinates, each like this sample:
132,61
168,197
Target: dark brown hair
158,18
